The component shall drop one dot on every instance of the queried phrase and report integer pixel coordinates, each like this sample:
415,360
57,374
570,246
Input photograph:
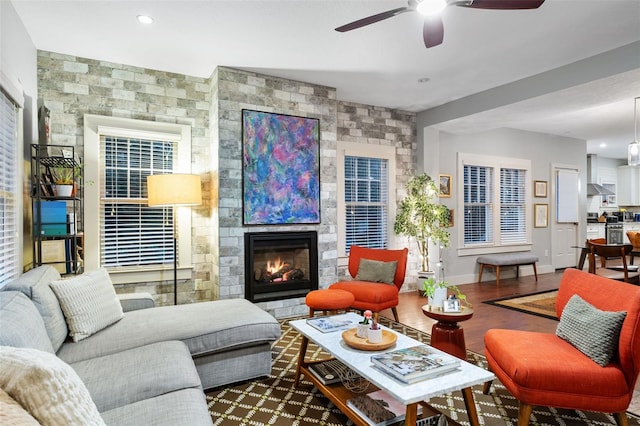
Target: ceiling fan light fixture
431,7
633,158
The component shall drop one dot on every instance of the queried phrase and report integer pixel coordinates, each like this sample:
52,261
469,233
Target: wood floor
485,316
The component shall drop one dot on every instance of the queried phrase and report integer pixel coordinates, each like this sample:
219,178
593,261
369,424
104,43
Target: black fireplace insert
280,265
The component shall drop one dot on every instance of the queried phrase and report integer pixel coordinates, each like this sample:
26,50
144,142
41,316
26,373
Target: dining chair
607,251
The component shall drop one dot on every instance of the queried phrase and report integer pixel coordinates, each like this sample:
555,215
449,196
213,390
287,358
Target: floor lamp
174,190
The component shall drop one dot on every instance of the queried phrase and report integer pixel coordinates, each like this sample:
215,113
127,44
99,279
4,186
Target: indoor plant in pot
63,179
421,216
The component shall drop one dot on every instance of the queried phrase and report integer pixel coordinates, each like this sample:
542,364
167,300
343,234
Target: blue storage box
53,218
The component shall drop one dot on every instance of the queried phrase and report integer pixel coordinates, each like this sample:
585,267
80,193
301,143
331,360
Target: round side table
446,334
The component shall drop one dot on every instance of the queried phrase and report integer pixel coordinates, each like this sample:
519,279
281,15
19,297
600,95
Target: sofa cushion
554,368
20,323
206,327
376,271
35,285
12,413
184,407
89,303
593,332
46,387
144,372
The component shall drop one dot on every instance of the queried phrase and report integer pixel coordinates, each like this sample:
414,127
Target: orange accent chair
372,295
634,239
543,369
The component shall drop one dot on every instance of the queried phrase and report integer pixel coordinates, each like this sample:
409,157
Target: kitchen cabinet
628,186
595,230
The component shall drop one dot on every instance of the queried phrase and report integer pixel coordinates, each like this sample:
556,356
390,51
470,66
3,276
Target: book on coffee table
415,363
329,324
379,408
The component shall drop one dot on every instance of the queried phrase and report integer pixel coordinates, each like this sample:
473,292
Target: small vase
374,336
64,190
362,331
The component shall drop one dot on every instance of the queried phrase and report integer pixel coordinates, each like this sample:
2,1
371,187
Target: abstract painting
280,169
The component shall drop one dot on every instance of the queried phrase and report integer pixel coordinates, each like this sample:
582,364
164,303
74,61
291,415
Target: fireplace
280,265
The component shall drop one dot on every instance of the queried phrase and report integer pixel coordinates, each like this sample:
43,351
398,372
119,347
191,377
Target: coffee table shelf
410,395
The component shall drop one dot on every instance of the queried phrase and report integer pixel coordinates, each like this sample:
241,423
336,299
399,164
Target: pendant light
634,147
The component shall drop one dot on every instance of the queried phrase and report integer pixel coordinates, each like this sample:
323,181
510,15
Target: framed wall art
444,186
540,188
541,215
280,169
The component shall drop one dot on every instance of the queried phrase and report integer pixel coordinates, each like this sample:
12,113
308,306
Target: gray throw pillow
593,332
376,271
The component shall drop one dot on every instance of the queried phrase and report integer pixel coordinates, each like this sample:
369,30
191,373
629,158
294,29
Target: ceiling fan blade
502,4
433,31
372,19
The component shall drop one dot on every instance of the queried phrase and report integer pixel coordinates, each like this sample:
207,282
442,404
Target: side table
446,334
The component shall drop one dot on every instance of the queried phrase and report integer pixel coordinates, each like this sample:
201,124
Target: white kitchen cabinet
628,186
595,230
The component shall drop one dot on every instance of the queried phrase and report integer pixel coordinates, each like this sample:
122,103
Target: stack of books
378,408
330,324
416,363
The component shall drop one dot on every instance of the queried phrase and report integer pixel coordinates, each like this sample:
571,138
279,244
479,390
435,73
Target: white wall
541,149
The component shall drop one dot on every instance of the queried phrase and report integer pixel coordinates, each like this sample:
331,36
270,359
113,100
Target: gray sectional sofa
152,365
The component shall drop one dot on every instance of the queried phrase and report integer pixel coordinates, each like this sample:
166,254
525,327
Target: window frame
496,163
95,126
13,94
382,152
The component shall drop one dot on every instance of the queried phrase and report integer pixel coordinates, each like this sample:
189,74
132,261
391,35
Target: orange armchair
543,369
372,295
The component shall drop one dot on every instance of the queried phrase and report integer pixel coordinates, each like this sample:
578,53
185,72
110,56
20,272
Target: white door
564,217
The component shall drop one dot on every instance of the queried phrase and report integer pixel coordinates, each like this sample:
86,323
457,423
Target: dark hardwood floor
485,316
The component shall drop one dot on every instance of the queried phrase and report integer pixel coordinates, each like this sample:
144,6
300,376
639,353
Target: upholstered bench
507,259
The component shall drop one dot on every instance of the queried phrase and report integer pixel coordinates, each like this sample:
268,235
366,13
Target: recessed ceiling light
144,19
423,79
603,145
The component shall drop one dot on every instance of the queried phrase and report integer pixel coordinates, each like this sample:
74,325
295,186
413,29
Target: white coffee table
360,361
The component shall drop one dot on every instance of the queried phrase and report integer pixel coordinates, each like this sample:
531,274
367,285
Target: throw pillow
46,387
376,271
89,303
12,413
593,332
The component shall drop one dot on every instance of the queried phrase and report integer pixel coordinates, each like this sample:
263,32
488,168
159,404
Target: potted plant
435,291
363,326
422,217
63,178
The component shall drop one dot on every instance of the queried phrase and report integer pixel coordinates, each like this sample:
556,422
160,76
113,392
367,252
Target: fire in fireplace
280,265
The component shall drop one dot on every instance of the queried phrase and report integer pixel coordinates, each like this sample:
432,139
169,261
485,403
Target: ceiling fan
433,30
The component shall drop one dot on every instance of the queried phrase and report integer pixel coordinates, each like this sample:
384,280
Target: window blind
366,202
9,267
478,204
133,233
513,208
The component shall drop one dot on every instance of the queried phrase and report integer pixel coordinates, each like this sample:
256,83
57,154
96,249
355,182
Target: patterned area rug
542,304
274,401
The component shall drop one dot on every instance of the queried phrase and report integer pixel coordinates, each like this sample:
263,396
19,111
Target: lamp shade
174,190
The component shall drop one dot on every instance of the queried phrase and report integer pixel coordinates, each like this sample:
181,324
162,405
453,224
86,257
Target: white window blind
478,205
366,189
513,207
133,233
9,244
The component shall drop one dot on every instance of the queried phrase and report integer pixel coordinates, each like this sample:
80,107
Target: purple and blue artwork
281,169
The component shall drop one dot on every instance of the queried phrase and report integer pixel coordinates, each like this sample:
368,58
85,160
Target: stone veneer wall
72,86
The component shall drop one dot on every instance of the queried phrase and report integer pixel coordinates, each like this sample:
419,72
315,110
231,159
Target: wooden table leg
412,414
470,404
301,355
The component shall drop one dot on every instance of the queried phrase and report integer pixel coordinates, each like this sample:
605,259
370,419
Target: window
133,234
364,192
9,203
495,194
123,233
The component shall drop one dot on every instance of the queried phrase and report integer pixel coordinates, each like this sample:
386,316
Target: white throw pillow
46,387
89,303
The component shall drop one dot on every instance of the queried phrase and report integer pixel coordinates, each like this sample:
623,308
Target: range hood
593,188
